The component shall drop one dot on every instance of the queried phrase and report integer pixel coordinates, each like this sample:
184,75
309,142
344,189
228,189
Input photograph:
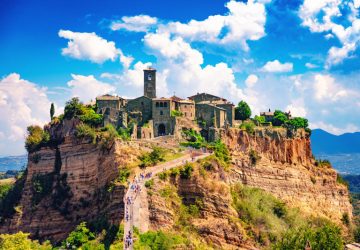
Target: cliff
269,160
70,181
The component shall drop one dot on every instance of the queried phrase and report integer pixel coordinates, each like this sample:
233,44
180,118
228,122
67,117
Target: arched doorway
161,129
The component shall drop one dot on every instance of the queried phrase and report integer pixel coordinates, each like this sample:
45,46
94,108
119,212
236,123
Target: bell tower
150,82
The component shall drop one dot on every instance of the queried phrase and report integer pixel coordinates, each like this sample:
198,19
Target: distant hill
323,142
12,162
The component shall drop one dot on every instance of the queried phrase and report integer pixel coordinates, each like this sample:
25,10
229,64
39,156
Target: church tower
150,82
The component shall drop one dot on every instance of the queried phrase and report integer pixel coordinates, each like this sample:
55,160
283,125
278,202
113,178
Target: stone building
164,116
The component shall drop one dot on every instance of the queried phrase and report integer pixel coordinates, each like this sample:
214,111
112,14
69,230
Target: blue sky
301,56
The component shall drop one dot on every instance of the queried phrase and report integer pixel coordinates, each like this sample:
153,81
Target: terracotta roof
176,98
267,113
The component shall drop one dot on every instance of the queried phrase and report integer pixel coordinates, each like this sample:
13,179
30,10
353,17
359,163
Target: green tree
21,240
52,111
280,118
260,119
297,122
80,236
242,111
36,137
73,108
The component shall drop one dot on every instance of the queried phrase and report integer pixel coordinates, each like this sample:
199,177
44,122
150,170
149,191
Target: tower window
149,77
161,112
161,104
165,104
157,104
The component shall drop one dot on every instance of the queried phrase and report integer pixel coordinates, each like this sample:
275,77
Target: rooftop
108,97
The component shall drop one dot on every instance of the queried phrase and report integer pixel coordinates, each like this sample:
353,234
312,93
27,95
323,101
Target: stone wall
141,107
212,115
188,109
230,112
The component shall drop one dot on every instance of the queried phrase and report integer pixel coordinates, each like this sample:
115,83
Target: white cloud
297,108
22,103
311,65
326,89
88,87
140,23
89,46
276,66
319,16
251,80
244,21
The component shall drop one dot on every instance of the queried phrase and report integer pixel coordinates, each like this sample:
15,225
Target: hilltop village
155,116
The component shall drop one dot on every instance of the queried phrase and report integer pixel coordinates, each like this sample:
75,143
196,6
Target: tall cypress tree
52,111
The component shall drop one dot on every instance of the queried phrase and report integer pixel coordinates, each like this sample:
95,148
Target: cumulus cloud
251,80
22,103
276,66
244,21
326,89
88,87
319,16
89,46
140,23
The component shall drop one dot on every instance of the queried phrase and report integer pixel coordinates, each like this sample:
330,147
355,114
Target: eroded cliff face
283,166
76,185
287,169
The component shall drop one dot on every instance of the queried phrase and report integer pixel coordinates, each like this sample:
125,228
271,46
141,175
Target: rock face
286,168
78,175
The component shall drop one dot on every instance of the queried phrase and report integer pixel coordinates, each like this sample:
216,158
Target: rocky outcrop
70,181
285,167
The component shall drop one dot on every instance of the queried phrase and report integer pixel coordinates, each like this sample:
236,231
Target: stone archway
161,129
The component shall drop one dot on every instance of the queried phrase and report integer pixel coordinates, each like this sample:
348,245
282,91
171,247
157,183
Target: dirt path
137,211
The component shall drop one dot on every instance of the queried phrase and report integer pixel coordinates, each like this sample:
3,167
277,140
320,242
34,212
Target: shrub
340,179
194,139
108,136
322,163
176,113
21,240
85,131
249,126
163,175
36,138
260,119
254,157
185,171
90,117
78,237
326,237
149,183
159,240
242,111
73,108
280,118
152,158
124,174
296,123
221,152
174,172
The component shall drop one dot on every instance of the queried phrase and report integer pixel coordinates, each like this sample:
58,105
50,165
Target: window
157,104
161,112
161,104
142,103
165,104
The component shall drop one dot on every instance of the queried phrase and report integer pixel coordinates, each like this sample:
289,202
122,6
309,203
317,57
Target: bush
108,136
152,158
185,171
21,240
36,138
149,184
280,118
297,123
4,189
322,163
242,111
249,126
176,113
90,117
85,131
124,174
77,238
260,119
340,179
326,237
158,240
345,219
194,139
221,152
174,172
163,175
73,108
